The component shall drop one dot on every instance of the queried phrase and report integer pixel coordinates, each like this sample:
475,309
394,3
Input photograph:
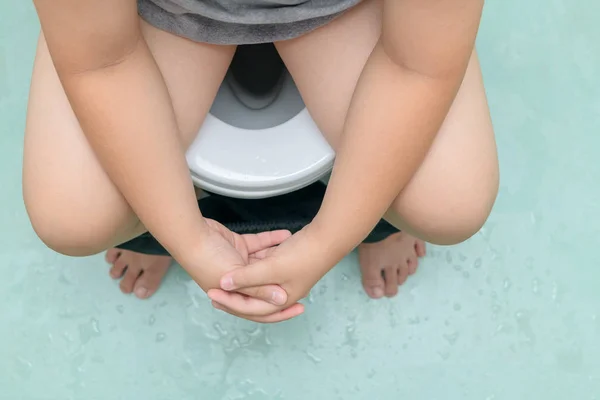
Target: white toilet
245,153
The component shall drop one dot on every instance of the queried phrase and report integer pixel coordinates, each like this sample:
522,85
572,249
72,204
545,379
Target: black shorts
291,211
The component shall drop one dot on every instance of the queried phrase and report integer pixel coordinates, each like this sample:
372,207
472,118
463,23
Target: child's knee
69,232
450,219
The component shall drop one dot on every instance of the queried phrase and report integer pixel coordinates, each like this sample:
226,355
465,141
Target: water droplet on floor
457,267
449,257
500,328
220,329
524,324
345,277
444,355
535,286
151,320
457,307
477,263
371,374
161,337
466,275
89,330
350,336
64,278
462,257
414,320
507,284
120,308
451,338
313,358
24,367
95,325
311,297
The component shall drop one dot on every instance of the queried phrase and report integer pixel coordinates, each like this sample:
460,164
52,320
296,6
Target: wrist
187,245
330,239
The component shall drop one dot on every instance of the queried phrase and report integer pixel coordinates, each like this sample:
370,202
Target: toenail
141,292
377,292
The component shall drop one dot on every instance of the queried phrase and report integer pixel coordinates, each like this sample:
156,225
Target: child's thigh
72,204
451,194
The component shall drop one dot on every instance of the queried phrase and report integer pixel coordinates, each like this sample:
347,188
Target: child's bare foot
387,264
141,273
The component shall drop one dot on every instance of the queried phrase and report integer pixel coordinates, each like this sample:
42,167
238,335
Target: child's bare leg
451,195
72,204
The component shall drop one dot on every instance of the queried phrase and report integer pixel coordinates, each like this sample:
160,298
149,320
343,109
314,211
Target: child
394,85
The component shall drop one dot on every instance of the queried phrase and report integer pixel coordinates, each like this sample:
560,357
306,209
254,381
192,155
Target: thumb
259,273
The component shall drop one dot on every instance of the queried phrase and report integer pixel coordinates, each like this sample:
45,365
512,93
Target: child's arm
122,104
399,105
403,95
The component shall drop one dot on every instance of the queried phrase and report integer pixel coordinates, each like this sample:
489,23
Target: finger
258,274
272,294
420,248
264,240
260,255
283,315
391,281
242,304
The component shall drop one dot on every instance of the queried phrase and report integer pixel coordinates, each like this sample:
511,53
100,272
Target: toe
128,281
403,272
147,284
372,280
412,264
112,255
420,248
118,268
391,281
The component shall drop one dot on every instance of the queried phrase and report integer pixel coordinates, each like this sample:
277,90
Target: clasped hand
290,270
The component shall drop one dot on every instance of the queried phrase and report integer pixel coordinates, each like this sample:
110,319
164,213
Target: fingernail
227,283
141,292
217,306
377,292
278,299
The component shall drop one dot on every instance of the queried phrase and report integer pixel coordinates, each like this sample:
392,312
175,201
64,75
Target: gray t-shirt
241,21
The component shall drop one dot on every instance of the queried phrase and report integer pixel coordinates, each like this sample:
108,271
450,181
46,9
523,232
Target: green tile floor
514,313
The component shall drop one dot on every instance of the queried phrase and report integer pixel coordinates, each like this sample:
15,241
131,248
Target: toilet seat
258,163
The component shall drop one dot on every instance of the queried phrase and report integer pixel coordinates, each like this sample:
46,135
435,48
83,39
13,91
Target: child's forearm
126,114
393,118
